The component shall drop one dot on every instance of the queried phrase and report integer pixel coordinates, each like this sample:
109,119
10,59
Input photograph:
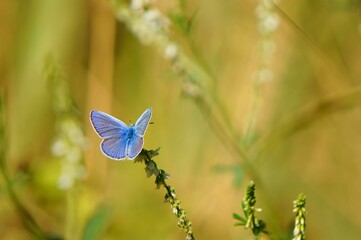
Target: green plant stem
228,139
308,114
27,219
71,224
151,168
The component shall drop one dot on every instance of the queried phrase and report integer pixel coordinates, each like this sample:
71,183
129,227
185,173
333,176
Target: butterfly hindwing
115,147
135,145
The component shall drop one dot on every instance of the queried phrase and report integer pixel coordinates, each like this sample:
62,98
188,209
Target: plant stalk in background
68,146
28,220
151,27
268,23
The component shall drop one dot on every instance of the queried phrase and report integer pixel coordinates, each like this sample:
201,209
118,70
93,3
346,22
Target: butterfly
120,141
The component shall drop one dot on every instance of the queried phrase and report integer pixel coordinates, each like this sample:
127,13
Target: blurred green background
309,108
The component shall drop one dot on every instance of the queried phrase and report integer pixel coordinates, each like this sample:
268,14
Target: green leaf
97,223
239,218
238,224
238,175
182,22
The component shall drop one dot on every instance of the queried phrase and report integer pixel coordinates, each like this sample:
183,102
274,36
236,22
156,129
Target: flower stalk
68,145
299,207
160,180
27,218
250,220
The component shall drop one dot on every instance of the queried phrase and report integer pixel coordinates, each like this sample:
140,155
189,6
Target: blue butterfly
120,141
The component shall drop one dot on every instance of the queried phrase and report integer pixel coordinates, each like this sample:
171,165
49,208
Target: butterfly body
119,140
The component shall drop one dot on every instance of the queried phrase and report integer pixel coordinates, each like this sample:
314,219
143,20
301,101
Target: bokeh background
287,77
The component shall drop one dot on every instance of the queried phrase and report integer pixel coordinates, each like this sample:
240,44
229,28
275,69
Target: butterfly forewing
143,121
107,126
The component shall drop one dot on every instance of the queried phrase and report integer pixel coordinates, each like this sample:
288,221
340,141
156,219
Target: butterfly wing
114,132
142,122
107,126
136,142
135,145
115,147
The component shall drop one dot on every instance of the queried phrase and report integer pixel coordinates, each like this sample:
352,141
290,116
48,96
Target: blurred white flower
65,181
268,47
74,155
171,51
68,145
59,147
191,89
269,24
149,25
268,19
264,75
140,4
69,141
155,20
70,173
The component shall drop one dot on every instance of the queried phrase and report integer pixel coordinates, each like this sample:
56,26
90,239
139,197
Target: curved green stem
152,169
27,219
